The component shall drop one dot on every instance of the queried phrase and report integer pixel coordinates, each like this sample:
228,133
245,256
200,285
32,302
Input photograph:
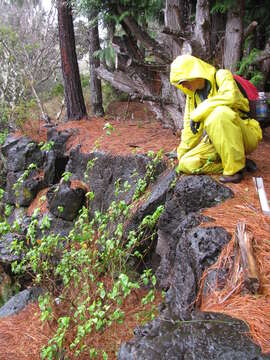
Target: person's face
194,84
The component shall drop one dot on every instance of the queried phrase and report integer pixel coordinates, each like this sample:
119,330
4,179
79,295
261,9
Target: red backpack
250,92
246,88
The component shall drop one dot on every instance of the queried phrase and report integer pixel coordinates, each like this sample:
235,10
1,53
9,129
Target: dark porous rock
7,255
59,139
159,191
22,194
3,170
65,202
10,142
20,153
57,226
49,167
166,247
197,249
207,337
190,195
101,171
19,215
19,301
5,286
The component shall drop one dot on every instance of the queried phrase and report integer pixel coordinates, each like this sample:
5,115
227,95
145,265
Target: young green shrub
86,275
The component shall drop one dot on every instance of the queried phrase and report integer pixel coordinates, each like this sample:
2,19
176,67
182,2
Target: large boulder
157,196
19,301
197,249
182,213
65,202
101,171
21,152
21,190
7,255
206,337
59,140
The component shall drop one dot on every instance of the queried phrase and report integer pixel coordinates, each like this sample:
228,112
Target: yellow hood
188,67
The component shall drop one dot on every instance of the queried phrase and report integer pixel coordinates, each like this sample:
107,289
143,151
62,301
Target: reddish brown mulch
22,335
126,137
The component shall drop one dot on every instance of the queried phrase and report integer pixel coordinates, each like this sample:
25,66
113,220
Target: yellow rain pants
224,138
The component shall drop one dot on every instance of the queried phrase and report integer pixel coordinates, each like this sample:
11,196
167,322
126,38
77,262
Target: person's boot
250,165
235,178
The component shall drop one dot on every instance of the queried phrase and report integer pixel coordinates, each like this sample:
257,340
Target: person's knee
219,117
189,165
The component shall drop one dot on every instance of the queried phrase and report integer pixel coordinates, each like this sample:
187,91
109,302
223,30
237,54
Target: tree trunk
233,36
218,24
174,23
202,29
94,63
74,100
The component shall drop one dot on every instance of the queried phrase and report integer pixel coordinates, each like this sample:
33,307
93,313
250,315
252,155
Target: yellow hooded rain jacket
225,135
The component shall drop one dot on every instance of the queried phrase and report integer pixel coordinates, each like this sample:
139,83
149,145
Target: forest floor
135,130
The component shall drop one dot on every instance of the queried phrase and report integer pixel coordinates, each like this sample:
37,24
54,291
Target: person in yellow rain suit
217,134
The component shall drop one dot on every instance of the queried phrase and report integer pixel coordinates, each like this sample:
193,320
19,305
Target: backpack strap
243,92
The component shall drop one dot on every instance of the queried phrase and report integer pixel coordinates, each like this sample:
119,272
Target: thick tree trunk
174,24
218,24
74,100
202,29
94,63
234,36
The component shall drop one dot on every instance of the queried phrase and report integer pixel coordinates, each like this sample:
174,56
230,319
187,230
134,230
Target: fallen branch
244,239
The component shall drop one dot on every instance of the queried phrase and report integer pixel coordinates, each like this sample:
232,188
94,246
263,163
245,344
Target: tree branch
250,28
144,38
175,33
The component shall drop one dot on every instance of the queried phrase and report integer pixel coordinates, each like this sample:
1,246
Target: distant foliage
247,69
222,6
29,57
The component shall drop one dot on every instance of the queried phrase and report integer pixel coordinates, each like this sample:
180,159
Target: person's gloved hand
194,126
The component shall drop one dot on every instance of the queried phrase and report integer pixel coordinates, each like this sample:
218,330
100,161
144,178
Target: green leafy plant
222,6
46,146
19,183
108,127
86,275
248,70
150,173
66,176
3,136
89,167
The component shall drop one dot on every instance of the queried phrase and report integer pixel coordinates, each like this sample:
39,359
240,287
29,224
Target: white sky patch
46,4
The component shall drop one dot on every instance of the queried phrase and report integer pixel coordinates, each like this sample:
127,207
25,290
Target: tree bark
174,24
234,36
202,29
74,100
94,63
159,51
264,58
